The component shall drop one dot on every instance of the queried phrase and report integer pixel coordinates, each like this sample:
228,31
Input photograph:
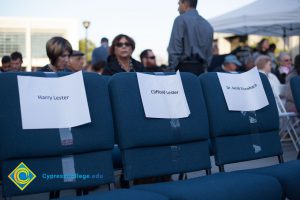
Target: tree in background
90,48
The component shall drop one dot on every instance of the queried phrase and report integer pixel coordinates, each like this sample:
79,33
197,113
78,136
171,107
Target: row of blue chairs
150,147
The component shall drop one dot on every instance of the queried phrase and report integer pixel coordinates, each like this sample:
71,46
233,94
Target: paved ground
289,154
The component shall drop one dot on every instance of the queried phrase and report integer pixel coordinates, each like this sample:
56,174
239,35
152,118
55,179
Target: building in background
29,36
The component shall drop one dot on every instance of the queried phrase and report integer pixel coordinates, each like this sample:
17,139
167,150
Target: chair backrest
295,82
42,150
152,147
240,136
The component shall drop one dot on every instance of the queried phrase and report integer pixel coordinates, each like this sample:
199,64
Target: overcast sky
149,23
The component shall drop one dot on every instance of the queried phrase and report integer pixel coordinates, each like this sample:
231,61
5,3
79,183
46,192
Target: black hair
98,65
16,55
5,59
192,3
272,47
56,46
144,53
117,39
104,39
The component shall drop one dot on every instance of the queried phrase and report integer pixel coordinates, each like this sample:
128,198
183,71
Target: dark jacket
46,68
114,67
153,69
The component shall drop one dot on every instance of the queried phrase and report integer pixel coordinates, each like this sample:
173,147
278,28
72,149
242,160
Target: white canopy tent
262,17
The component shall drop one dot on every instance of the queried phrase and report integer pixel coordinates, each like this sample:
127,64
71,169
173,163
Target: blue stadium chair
156,147
296,95
120,194
41,150
96,88
236,139
296,91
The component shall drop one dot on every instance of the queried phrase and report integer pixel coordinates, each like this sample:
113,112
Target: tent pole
284,39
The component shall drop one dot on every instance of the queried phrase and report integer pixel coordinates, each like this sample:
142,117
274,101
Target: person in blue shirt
101,53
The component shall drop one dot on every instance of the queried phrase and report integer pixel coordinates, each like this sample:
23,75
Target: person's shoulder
153,69
97,48
45,68
292,74
111,67
135,62
219,69
274,78
190,13
138,66
179,19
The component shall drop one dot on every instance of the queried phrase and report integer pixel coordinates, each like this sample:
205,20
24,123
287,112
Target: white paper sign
243,92
163,96
58,102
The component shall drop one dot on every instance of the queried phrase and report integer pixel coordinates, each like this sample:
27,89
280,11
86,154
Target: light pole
86,25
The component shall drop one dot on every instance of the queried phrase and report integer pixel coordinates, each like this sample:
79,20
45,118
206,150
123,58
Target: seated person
5,64
76,61
120,59
285,66
58,51
264,65
230,64
98,67
148,60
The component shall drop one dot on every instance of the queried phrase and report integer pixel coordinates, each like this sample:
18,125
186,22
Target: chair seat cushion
229,186
288,174
121,194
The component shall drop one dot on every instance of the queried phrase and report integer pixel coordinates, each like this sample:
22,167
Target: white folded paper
163,96
57,102
243,92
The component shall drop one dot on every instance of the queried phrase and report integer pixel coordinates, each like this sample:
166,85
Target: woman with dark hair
58,51
120,59
262,48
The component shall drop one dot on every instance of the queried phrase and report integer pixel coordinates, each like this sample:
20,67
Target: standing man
100,53
16,61
190,46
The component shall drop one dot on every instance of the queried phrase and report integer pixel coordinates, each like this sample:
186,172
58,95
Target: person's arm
176,46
